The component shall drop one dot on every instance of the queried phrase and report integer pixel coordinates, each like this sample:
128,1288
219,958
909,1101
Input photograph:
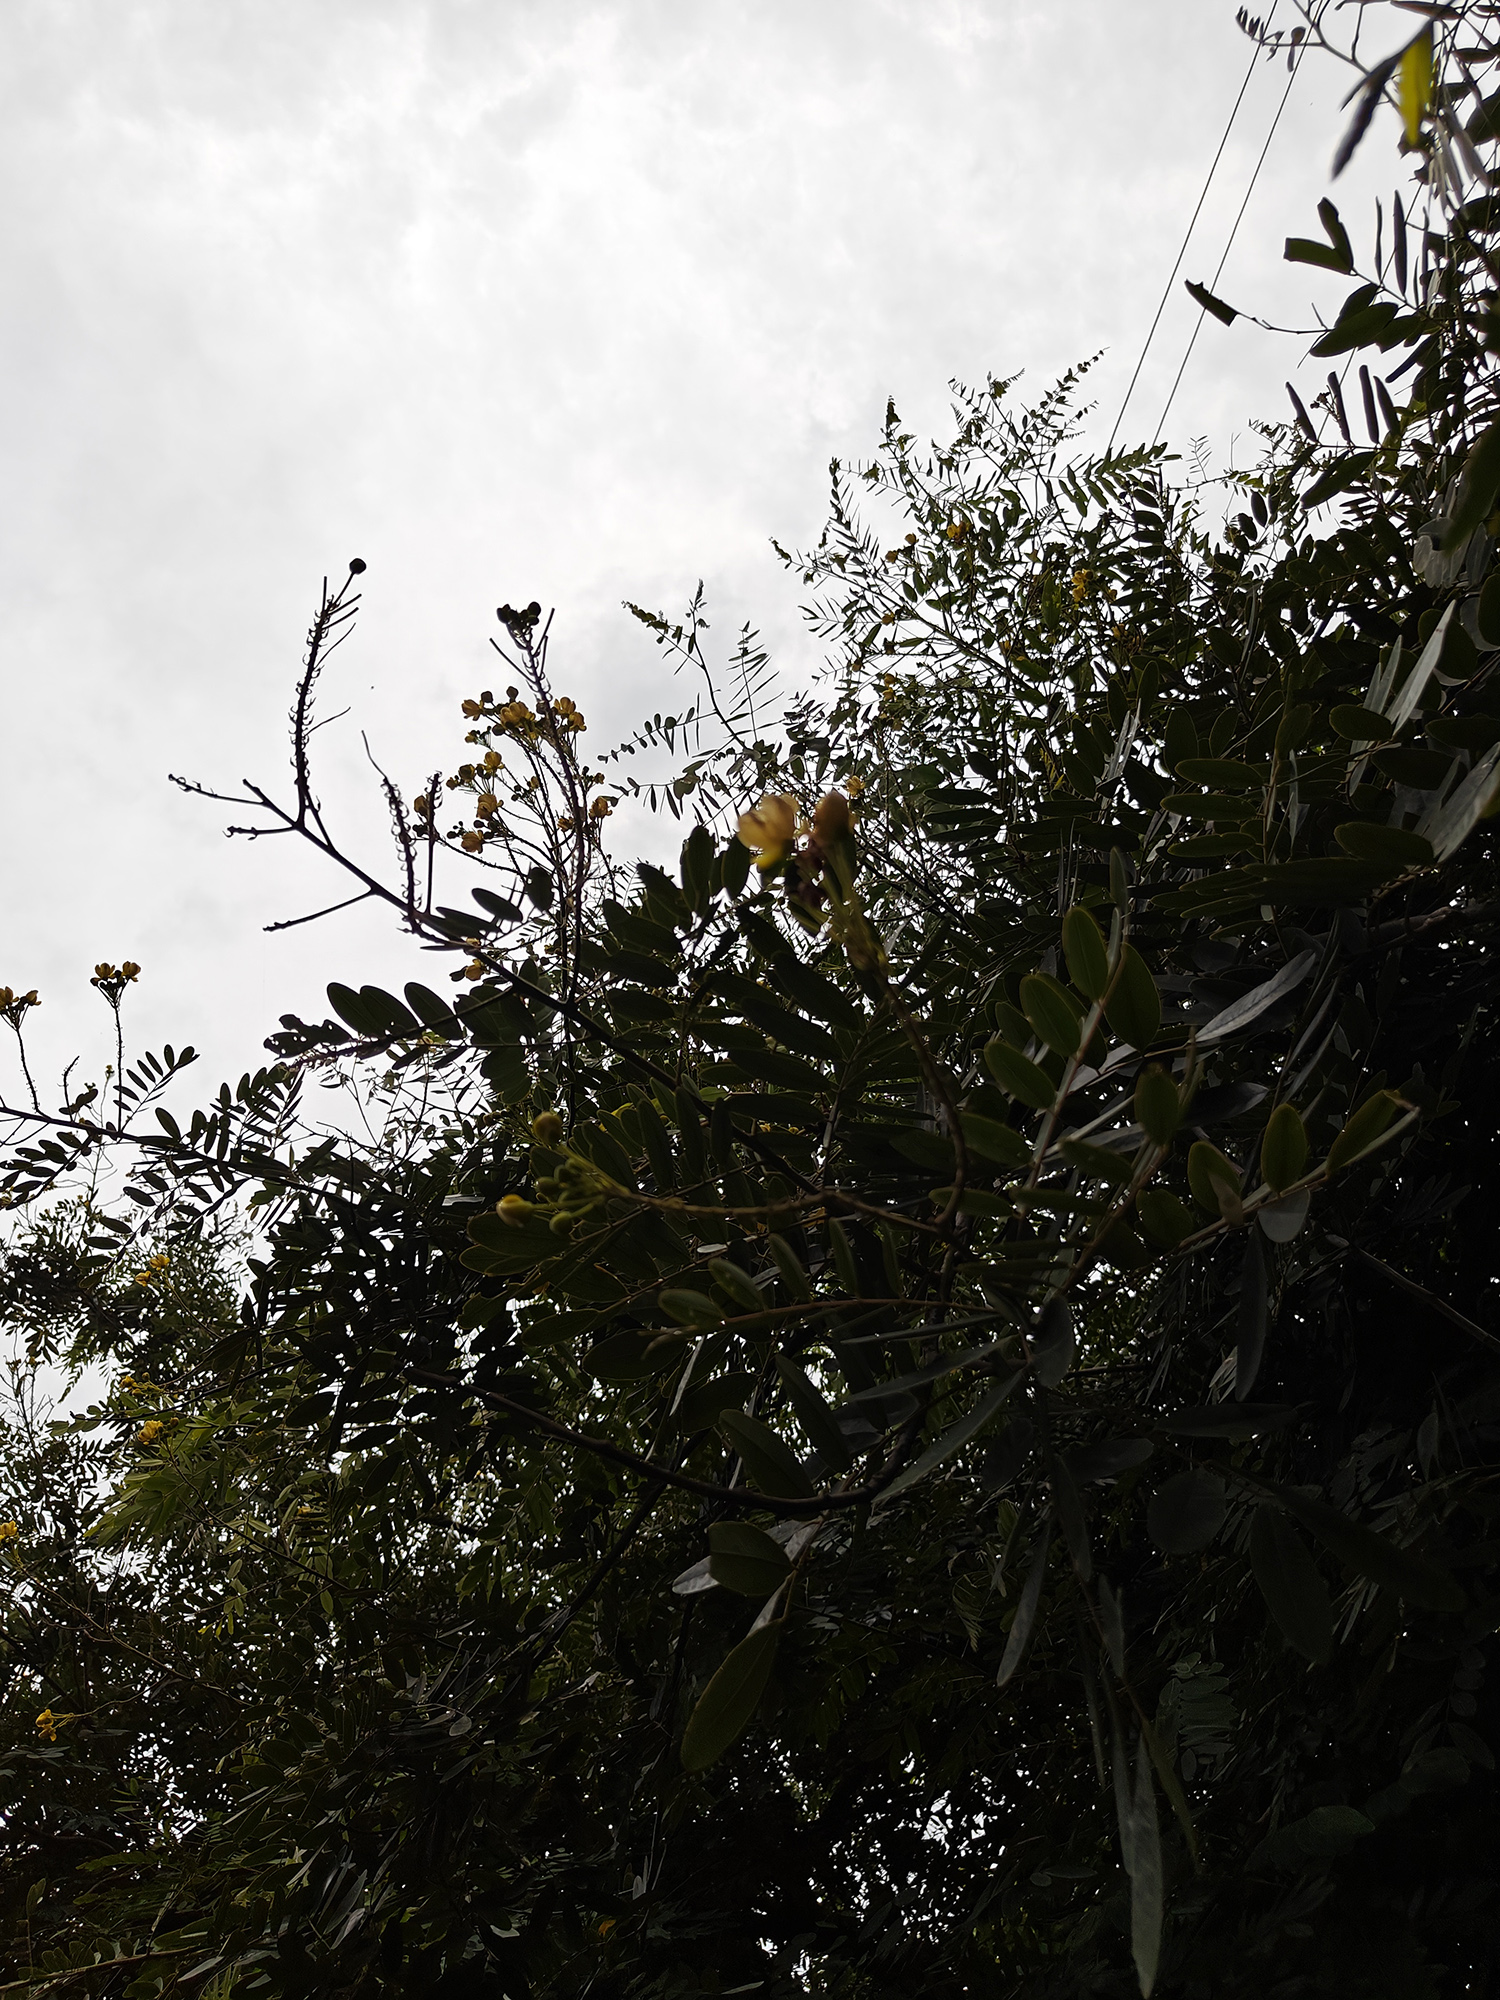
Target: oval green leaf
727,1705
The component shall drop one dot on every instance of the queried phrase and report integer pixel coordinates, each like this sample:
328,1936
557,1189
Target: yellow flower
514,1209
9,1531
46,1725
601,808
1081,584
472,841
130,970
476,970
770,828
150,1432
487,803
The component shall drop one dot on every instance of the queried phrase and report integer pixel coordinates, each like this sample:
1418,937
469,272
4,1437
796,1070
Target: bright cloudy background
521,298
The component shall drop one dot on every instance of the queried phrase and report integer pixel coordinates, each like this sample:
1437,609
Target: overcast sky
559,300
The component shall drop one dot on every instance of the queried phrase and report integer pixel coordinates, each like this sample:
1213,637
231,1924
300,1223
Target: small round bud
356,566
547,1128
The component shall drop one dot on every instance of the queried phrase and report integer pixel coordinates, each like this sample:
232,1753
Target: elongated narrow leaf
1369,1555
745,1559
1053,1012
1205,298
1289,1582
1240,1013
815,1416
1018,1642
1067,1504
1449,826
769,1463
1086,952
1147,1894
1015,1074
1250,1323
1133,1009
1186,1513
727,1705
954,1438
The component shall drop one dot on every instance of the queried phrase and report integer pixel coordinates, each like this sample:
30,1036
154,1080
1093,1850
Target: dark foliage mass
907,1406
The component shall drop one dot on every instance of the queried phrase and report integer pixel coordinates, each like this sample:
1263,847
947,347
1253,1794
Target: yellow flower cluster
770,828
150,1432
115,978
47,1725
156,1267
1081,581
9,1531
9,998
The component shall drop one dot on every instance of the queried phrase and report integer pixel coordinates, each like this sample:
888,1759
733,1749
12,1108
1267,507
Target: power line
1182,252
1234,231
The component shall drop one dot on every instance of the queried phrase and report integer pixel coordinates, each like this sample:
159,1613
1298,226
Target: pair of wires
1294,65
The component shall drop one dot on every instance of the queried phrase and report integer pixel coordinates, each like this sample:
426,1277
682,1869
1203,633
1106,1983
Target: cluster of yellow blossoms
112,980
156,1268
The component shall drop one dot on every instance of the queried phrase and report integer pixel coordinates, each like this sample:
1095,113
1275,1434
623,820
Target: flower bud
547,1128
831,821
514,1209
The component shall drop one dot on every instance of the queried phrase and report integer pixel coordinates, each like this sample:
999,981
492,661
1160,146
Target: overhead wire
1213,168
1293,67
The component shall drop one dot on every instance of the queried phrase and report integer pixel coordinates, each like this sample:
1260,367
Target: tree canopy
907,1405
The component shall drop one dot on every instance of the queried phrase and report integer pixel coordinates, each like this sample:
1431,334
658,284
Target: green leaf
702,1405
1226,772
1326,1833
843,1259
1018,1075
1358,329
1283,1147
1147,1892
1361,725
1018,1640
1250,1318
632,1357
933,1150
355,1012
1133,1009
690,1308
1338,477
433,1012
1164,1216
1363,1127
1158,1107
745,1559
1053,1012
727,1706
1369,1555
1086,952
1209,303
1054,1343
1214,1180
789,1265
1392,846
741,1288
952,1439
769,1463
1335,231
1067,1504
1186,1513
815,1415
1289,1582
992,1141
1307,250
698,869
1100,1162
